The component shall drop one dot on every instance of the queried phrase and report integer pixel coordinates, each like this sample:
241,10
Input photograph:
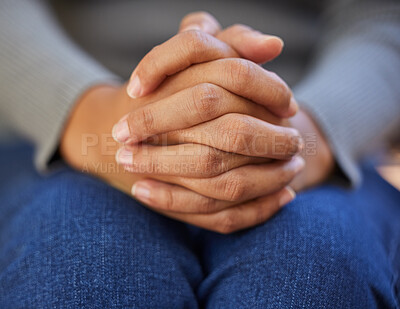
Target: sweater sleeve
42,74
353,88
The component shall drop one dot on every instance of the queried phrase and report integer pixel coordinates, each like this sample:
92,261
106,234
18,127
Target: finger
241,134
176,54
174,198
185,109
245,182
247,42
251,44
241,77
184,160
239,217
202,21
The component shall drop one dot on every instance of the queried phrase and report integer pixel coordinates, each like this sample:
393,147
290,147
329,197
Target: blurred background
144,24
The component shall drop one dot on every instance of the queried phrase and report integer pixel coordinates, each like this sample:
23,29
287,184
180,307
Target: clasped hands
202,130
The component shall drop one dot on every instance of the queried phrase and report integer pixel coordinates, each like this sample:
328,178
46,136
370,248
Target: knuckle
241,72
206,99
132,120
149,60
150,63
211,160
146,119
239,133
227,223
281,91
155,49
236,123
169,200
194,42
234,187
208,206
208,162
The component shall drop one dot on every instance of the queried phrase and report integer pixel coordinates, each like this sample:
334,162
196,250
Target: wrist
89,121
317,153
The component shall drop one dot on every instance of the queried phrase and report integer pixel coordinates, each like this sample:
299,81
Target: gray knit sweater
342,57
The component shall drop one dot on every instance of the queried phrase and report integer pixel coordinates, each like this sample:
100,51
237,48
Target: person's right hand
190,47
178,91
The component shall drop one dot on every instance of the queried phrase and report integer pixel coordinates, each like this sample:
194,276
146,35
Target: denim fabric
70,241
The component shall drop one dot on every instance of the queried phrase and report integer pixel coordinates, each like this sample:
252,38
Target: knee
322,247
87,243
79,204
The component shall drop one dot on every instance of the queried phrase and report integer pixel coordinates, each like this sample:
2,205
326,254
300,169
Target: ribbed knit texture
352,89
42,74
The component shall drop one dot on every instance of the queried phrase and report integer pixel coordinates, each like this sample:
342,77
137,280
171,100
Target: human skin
226,210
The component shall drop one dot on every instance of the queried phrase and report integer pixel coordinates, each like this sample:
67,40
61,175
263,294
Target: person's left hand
100,106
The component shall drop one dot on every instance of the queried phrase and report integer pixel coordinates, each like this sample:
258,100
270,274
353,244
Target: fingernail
124,156
140,192
134,88
191,27
120,131
266,37
287,196
272,37
298,163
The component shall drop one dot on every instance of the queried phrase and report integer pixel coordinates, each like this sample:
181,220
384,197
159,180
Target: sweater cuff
345,159
74,84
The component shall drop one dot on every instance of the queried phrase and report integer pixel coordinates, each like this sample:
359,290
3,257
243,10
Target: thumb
251,44
247,42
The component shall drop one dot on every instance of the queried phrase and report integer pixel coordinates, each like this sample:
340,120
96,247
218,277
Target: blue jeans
71,241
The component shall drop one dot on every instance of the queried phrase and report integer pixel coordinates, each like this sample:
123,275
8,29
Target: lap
330,248
74,241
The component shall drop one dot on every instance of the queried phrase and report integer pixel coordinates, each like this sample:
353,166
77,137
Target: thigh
330,248
69,241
